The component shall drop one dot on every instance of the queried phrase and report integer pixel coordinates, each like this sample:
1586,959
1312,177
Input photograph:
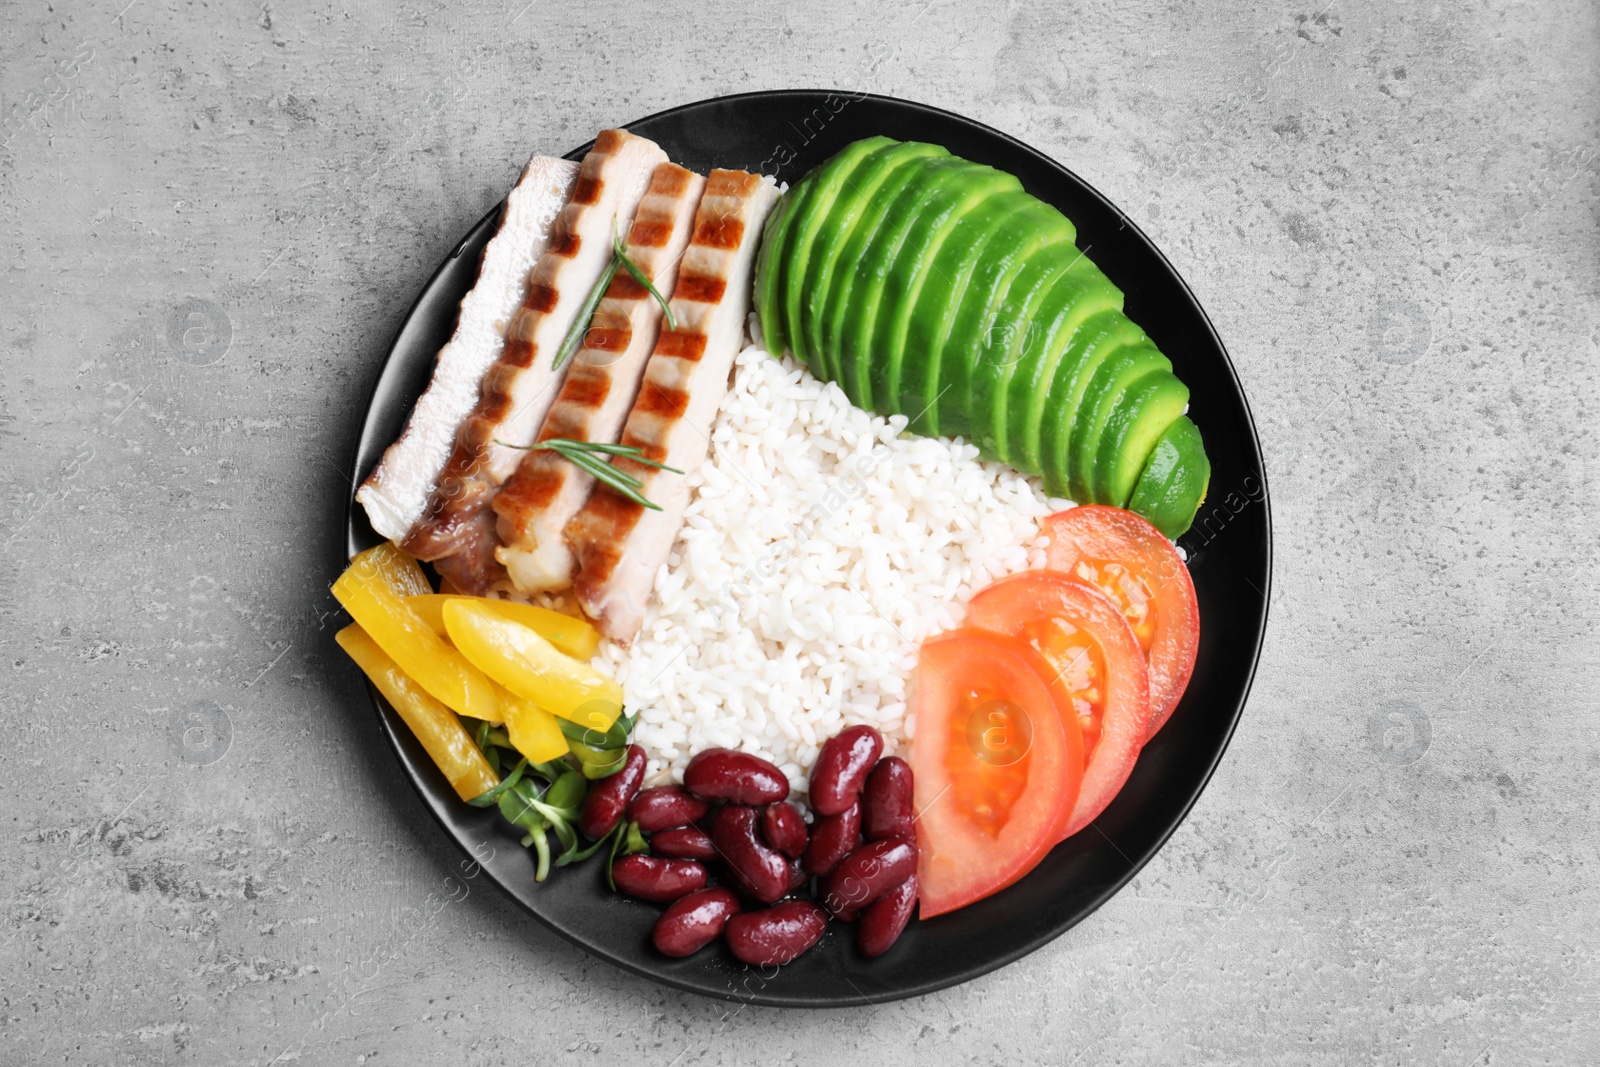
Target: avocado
1033,228
1137,421
856,216
1095,341
768,287
1005,338
935,287
1079,296
856,290
814,199
1111,379
935,222
1174,482
939,302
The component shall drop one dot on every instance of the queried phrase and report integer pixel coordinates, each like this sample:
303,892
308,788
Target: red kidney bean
833,837
691,922
868,873
658,878
886,809
666,806
883,921
776,935
737,777
842,767
759,869
684,843
609,797
784,828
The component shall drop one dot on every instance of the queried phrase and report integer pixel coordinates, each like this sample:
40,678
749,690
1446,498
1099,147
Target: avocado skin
1110,383
1098,339
1136,422
814,200
768,286
1079,295
1173,486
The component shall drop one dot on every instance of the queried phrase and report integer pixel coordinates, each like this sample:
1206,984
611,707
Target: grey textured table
213,217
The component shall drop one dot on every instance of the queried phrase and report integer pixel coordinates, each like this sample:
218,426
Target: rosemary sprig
580,325
621,256
585,455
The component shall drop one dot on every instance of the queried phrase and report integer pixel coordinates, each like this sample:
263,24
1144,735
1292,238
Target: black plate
787,133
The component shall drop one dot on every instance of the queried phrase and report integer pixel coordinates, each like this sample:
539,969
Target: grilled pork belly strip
536,503
397,490
619,545
519,389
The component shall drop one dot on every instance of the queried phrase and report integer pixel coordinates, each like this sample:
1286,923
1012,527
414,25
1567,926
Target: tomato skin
1096,532
1012,604
962,856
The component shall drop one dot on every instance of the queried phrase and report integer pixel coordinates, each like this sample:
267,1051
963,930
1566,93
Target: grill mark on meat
588,390
664,403
719,233
536,489
681,345
542,297
607,339
673,183
566,245
588,190
650,233
626,287
701,288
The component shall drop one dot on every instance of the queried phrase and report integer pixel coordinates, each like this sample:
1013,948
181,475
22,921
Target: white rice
820,548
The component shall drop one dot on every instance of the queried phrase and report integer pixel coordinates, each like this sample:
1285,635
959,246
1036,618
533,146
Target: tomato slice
996,766
1140,571
1096,671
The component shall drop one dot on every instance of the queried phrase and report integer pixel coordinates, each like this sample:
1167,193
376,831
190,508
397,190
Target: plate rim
386,717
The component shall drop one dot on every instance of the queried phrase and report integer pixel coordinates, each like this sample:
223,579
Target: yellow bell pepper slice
393,567
531,667
573,636
443,737
405,638
533,731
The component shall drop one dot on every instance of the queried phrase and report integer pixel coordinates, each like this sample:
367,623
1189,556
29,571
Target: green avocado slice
1079,297
1033,228
814,199
857,286
939,303
1006,342
1115,375
856,215
960,192
1131,431
1097,340
1174,482
769,284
